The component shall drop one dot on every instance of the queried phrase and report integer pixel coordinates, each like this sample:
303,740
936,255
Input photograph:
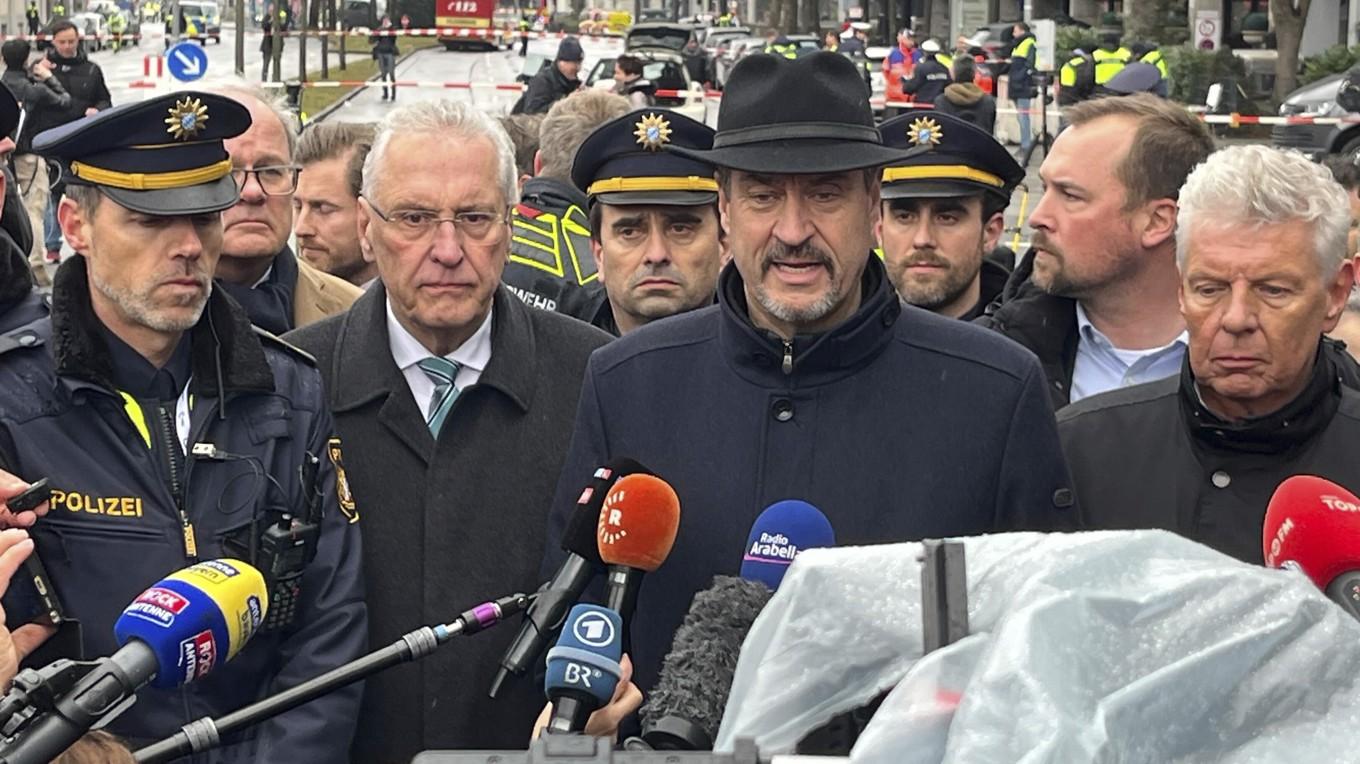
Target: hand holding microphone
175,632
15,547
588,679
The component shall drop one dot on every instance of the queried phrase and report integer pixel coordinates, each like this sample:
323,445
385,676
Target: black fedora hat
802,116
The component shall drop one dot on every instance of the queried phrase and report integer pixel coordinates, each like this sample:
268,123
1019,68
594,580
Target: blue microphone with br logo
583,668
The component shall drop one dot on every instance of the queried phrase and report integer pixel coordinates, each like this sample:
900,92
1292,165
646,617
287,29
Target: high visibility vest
1155,58
787,50
945,59
58,10
1110,62
190,28
1022,50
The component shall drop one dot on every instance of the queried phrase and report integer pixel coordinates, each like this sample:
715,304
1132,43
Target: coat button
1062,498
782,409
27,339
1220,479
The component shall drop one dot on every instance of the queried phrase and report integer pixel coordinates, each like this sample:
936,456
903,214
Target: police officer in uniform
173,432
944,213
654,222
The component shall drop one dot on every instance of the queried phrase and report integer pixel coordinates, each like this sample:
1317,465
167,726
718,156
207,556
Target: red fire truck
467,23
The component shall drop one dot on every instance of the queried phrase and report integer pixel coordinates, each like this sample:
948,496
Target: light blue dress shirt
1101,366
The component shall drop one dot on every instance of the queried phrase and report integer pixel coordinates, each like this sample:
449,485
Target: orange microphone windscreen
638,522
1312,524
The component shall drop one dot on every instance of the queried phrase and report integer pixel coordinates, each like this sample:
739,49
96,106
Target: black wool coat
451,524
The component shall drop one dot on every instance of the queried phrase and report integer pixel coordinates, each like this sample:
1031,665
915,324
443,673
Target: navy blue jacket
113,528
898,424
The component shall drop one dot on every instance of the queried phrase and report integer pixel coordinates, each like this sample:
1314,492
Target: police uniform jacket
115,527
550,264
927,81
451,524
1047,325
898,424
1152,456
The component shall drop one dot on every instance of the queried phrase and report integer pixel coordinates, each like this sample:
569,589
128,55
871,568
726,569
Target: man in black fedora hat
809,379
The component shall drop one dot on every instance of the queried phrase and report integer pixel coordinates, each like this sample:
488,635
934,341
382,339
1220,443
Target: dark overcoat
451,524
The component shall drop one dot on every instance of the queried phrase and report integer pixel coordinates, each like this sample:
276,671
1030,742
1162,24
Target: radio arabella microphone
583,669
557,596
175,632
686,706
783,530
1313,525
635,534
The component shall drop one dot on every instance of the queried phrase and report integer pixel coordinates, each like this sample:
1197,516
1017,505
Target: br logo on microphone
593,629
575,673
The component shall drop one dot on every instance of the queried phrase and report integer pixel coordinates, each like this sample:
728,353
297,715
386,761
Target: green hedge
1192,71
1333,60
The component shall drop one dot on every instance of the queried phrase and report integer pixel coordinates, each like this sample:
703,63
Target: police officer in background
931,75
943,212
654,226
175,432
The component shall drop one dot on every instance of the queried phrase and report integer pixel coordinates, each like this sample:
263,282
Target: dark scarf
269,305
1298,422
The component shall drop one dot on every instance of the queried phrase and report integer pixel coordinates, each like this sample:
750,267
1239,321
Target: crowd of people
481,311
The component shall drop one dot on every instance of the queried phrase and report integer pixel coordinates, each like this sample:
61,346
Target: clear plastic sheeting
1121,646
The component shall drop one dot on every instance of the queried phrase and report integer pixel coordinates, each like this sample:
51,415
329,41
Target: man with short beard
326,202
258,269
943,211
809,379
175,432
1095,298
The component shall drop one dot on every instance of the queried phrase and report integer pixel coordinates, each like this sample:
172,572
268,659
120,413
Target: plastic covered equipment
1128,646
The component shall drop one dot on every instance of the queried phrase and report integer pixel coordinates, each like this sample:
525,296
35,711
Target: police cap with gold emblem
960,159
623,161
162,156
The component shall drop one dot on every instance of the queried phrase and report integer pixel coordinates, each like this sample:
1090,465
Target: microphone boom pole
206,733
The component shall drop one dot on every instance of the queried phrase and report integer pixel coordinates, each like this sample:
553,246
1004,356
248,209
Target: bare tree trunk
775,13
1288,37
789,14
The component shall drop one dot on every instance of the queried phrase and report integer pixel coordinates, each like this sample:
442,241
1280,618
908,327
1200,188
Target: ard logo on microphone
593,630
612,518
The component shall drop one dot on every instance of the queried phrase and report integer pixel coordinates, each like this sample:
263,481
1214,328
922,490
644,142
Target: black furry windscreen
696,675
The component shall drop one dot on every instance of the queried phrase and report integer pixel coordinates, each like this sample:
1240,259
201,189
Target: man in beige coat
279,291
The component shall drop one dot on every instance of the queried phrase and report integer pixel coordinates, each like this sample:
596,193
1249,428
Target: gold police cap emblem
187,119
925,132
653,132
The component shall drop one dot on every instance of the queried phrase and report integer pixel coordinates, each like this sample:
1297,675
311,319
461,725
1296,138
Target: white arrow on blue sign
187,61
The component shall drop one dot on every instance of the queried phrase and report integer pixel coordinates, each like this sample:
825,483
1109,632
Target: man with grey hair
326,203
1264,274
457,400
279,291
551,265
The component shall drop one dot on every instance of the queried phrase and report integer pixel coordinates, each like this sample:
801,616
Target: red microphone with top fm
636,531
1313,525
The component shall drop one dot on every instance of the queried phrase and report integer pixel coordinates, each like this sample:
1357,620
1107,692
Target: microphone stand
206,733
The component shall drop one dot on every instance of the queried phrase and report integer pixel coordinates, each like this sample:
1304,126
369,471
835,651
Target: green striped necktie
441,372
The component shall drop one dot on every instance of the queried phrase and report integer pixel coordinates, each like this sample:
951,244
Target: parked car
1317,99
666,36
207,17
664,69
94,30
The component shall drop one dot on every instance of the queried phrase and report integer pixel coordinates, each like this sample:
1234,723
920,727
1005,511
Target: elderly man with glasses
279,291
458,401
